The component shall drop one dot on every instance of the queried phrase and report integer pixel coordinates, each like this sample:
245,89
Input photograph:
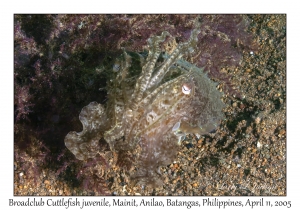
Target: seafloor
245,156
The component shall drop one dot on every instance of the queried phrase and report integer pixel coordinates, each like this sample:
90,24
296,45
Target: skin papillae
150,113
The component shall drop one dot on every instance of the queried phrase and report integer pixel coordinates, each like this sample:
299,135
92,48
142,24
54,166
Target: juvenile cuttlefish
148,115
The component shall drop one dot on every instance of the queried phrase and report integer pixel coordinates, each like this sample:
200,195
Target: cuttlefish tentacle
148,68
121,128
176,54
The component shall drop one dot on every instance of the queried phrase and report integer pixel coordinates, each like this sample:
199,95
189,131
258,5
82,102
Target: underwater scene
150,105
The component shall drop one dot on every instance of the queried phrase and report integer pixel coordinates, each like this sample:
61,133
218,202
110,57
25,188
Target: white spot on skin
151,116
129,113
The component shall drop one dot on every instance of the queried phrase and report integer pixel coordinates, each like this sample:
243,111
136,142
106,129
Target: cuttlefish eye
186,89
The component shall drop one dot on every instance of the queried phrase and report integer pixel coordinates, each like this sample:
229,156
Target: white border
153,6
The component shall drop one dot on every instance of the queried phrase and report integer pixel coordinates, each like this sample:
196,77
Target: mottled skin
151,114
